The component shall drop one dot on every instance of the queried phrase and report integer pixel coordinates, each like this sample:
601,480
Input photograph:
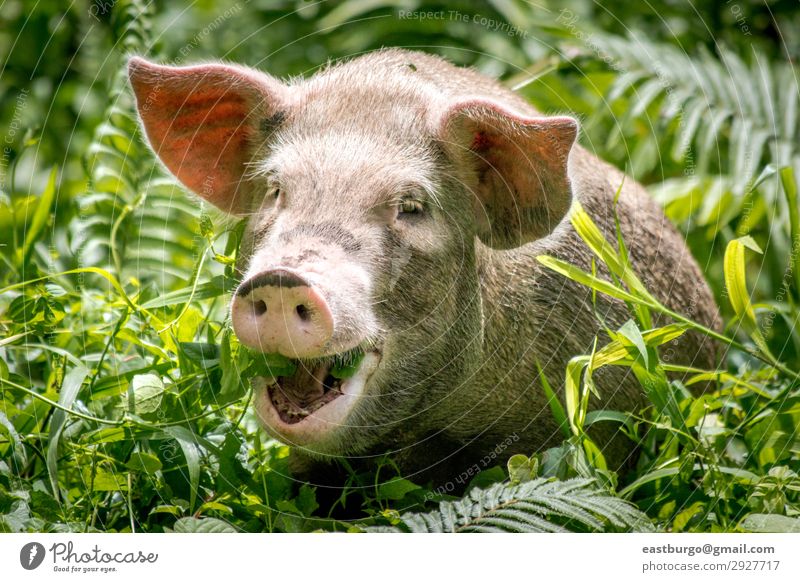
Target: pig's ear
204,123
517,168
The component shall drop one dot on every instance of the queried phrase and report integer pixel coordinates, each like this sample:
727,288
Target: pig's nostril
259,307
302,312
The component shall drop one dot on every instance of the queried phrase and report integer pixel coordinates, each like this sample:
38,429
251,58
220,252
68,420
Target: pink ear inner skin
480,142
199,121
521,164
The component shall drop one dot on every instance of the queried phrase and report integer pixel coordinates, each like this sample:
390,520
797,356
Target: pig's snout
279,311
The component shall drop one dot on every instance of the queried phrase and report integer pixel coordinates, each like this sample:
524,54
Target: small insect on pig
396,207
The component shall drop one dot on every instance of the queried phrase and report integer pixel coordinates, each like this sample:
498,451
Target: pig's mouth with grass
299,388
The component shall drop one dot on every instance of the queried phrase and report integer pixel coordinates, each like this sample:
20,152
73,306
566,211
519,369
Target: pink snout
278,311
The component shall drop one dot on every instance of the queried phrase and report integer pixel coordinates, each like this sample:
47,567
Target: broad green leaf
14,447
101,479
144,394
572,391
115,384
396,489
736,286
202,525
631,331
522,469
235,362
684,517
269,365
205,354
46,506
143,463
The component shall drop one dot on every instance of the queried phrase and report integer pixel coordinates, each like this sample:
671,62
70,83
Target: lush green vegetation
124,402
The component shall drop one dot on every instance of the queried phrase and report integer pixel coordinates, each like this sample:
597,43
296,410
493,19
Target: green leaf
736,286
192,452
616,353
70,387
770,523
15,447
216,287
46,506
740,474
631,331
103,480
596,416
92,270
488,477
347,369
144,394
270,365
306,500
203,525
205,354
584,278
793,204
555,405
143,463
16,518
235,362
34,228
688,514
522,469
395,490
600,246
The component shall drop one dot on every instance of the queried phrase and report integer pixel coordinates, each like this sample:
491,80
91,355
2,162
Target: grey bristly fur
461,324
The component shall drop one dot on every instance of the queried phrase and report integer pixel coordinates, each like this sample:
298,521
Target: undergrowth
124,396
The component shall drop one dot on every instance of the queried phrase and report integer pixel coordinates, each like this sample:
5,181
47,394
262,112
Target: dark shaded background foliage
698,100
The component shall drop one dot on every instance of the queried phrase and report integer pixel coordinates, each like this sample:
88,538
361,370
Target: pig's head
370,190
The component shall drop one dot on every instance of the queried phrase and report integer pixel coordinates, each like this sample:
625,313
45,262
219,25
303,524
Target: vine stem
120,422
59,406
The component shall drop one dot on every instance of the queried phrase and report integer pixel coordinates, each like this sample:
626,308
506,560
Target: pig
396,205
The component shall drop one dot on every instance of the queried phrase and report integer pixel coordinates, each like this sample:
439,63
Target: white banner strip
333,557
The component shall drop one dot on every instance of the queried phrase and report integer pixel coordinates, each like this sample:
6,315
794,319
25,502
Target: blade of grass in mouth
343,366
346,366
271,365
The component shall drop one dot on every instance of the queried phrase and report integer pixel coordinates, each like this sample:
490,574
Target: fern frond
705,102
133,214
541,505
724,120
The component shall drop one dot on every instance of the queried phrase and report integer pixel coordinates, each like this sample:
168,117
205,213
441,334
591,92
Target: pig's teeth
293,412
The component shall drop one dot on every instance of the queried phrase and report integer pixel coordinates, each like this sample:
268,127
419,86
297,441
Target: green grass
124,401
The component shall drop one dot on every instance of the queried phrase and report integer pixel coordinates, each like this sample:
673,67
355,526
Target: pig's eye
276,193
409,207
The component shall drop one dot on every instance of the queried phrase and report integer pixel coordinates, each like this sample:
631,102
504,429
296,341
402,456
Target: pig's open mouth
309,389
317,383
